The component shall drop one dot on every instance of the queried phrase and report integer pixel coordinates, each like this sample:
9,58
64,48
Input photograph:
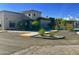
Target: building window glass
11,24
0,25
34,14
29,14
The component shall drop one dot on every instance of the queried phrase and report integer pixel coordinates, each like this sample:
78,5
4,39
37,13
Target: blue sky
47,9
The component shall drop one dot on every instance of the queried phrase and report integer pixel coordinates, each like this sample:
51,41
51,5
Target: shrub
35,23
42,31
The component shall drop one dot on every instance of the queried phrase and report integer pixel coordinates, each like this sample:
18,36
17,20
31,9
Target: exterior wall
1,20
33,14
11,17
6,17
76,24
69,25
44,23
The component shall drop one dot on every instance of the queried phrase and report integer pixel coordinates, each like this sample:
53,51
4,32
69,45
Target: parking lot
12,42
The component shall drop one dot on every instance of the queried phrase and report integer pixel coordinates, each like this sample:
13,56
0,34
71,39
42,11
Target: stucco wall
7,16
11,17
37,14
2,20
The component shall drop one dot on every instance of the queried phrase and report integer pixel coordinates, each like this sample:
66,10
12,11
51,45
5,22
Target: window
34,14
29,14
6,18
0,25
11,24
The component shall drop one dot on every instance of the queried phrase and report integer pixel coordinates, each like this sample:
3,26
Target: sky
47,9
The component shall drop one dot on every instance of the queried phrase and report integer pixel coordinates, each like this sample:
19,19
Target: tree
52,23
23,25
36,25
42,31
61,23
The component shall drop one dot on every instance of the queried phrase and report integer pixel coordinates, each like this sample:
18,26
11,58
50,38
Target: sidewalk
26,33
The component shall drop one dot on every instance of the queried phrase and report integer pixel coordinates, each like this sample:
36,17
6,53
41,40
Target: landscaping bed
49,37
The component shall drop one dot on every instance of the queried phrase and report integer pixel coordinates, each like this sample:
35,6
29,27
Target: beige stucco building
9,19
33,14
